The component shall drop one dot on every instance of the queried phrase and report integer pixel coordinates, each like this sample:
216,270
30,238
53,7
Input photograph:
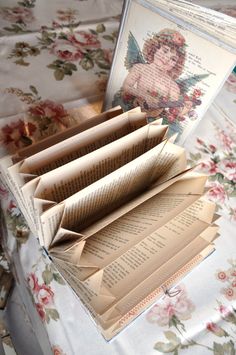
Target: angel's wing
186,84
134,54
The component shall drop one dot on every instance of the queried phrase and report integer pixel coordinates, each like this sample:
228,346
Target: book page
100,198
132,268
122,234
213,22
161,277
114,314
141,220
83,143
103,195
59,184
88,122
108,194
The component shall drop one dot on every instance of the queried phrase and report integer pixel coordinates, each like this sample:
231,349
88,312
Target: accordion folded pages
119,212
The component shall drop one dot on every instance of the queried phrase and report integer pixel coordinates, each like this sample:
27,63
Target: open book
117,210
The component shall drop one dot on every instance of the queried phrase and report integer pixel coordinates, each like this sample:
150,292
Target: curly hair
175,41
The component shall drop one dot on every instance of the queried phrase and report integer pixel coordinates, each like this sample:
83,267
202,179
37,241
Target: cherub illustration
153,79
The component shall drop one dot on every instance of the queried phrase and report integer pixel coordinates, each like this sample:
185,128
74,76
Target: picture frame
179,92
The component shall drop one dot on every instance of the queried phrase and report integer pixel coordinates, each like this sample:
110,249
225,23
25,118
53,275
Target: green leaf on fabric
108,38
218,349
100,28
196,156
86,63
70,66
96,54
59,74
172,337
103,64
165,348
52,66
57,277
33,89
22,62
26,140
229,348
62,36
47,276
219,177
52,313
233,193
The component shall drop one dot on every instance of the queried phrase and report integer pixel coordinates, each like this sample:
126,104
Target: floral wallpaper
217,158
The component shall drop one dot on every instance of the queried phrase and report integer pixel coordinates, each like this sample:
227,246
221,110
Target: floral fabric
27,16
43,72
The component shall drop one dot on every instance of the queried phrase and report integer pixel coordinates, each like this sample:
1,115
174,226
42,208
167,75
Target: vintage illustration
154,82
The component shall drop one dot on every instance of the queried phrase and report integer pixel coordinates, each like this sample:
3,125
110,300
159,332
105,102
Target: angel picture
153,81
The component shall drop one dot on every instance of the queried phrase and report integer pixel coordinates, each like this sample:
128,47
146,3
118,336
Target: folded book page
119,212
63,183
95,201
69,132
68,150
128,260
75,146
81,144
15,178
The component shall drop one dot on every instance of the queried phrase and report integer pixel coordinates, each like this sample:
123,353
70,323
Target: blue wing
186,84
134,54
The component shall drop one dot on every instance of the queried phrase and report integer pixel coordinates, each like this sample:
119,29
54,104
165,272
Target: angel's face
165,57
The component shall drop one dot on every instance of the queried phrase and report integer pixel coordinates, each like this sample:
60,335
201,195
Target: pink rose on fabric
108,55
200,141
212,148
209,167
13,209
217,192
228,168
33,282
45,295
224,311
41,311
66,50
230,83
222,276
3,192
68,15
233,283
12,205
179,306
18,132
57,350
225,140
229,293
214,328
233,272
102,84
17,14
84,40
49,109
